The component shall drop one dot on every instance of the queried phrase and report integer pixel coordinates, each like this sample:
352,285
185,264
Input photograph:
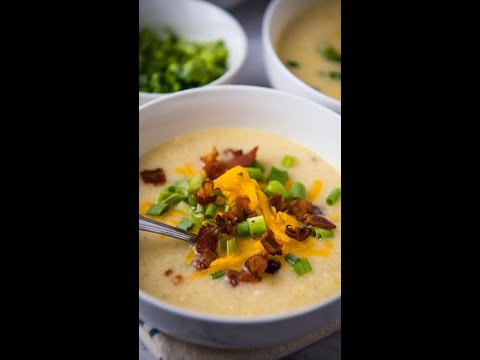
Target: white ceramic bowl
198,21
278,15
302,121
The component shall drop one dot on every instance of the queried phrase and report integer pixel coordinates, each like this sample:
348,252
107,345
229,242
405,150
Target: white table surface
249,13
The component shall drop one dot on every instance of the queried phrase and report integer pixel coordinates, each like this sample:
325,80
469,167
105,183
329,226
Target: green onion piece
185,224
183,206
329,53
173,199
218,274
167,192
199,208
302,267
333,196
275,186
322,233
298,191
158,209
277,174
231,247
292,259
255,173
256,225
181,184
222,246
210,210
191,200
257,165
292,64
335,75
288,161
209,222
242,229
195,182
197,217
227,207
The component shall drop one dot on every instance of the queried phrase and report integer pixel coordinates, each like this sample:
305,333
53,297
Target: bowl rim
180,311
231,71
268,46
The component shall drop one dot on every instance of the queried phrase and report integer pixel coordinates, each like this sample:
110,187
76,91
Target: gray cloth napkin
164,347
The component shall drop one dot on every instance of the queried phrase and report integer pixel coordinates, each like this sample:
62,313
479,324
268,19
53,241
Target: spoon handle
147,224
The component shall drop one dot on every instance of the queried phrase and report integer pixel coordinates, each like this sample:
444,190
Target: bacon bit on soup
241,159
156,177
235,277
297,233
206,239
177,279
168,272
270,244
205,259
232,276
299,208
319,221
213,168
273,266
256,265
205,194
226,222
278,202
241,206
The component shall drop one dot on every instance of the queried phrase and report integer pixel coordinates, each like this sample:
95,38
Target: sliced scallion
173,199
158,209
183,207
275,186
191,200
320,233
255,173
257,165
302,267
218,274
210,210
292,259
242,229
195,182
288,161
330,53
256,225
231,247
333,196
298,191
277,174
197,217
167,192
185,224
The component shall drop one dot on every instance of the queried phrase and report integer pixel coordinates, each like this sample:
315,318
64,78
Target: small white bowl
198,21
277,16
301,120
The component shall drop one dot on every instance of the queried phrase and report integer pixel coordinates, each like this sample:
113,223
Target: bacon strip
213,168
277,201
297,233
205,195
226,222
156,177
242,159
319,221
270,244
207,239
299,208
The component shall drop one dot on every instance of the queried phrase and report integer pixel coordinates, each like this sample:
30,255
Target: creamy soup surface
278,293
299,47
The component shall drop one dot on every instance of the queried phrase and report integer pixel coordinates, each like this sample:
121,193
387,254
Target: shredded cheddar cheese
315,190
186,170
236,181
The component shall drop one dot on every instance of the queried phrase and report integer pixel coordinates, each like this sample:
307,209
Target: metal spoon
147,224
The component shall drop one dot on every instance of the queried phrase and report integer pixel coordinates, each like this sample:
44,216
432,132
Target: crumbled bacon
270,244
168,272
242,159
299,208
207,238
256,265
232,276
240,206
226,222
156,177
319,221
205,259
277,201
205,194
245,276
213,168
297,233
273,266
177,279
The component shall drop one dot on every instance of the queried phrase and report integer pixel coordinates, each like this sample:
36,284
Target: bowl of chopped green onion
301,49
186,44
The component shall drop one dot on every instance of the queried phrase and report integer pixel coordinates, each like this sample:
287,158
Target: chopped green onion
302,267
183,206
209,222
210,210
255,173
277,174
288,161
292,64
218,274
191,200
298,191
333,196
182,183
257,165
292,259
275,186
173,199
199,207
197,217
166,192
242,229
231,247
222,246
329,53
157,209
185,224
227,207
195,182
335,75
256,225
322,233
